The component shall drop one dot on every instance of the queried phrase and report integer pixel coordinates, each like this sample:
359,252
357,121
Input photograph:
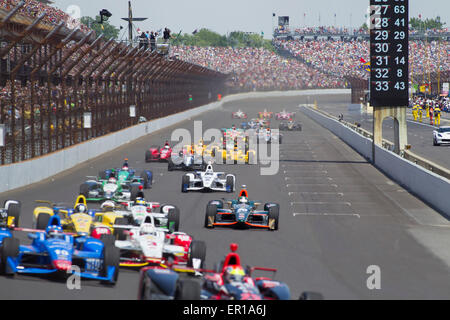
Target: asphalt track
420,134
339,215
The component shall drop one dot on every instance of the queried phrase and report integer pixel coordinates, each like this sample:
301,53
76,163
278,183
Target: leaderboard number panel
389,60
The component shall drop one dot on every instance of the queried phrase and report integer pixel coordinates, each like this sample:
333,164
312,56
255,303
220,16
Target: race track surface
339,215
420,134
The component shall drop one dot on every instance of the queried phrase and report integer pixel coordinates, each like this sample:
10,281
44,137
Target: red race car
156,153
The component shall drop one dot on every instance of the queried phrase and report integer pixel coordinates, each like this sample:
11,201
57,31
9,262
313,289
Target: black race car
290,126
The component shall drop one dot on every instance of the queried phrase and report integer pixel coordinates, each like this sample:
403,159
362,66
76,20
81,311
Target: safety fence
61,86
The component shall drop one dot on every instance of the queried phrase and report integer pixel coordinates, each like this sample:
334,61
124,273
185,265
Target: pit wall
426,185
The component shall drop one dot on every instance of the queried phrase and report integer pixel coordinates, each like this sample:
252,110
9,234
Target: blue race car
53,251
9,218
242,213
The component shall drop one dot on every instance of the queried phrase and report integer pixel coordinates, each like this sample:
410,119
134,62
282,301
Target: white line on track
321,202
311,184
325,214
312,171
290,193
290,178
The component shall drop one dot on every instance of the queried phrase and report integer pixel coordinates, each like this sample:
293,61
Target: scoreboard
389,60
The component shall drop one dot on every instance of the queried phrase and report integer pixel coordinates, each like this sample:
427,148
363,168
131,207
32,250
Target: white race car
269,136
147,244
239,115
165,216
208,180
441,136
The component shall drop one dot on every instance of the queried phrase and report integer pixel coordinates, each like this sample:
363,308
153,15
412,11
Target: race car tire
14,211
188,290
185,183
84,190
308,295
111,258
148,156
108,239
211,210
170,165
145,178
119,232
435,143
134,192
173,218
270,204
274,213
9,248
197,251
217,203
299,128
230,184
42,221
102,175
280,140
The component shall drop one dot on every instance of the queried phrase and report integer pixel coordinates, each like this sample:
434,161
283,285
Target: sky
224,16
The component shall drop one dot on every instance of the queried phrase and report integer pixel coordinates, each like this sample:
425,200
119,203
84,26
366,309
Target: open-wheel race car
116,184
146,244
231,280
208,180
242,213
54,252
290,126
265,114
284,115
156,153
186,161
238,114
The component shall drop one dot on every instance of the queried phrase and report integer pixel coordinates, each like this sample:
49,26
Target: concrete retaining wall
24,173
428,186
355,140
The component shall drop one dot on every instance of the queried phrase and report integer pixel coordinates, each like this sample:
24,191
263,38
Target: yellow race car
198,148
77,220
239,156
10,214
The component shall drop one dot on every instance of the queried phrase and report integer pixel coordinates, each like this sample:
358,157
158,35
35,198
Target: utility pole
130,20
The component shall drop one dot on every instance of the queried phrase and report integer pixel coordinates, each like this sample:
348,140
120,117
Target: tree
109,31
427,24
208,38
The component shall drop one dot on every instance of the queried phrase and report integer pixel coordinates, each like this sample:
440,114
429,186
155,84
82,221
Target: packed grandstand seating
318,63
343,57
33,9
258,68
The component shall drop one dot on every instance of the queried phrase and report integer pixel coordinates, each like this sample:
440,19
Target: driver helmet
140,201
80,208
54,230
112,180
234,274
243,200
125,168
107,204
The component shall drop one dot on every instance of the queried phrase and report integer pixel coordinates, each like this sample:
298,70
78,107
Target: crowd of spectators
343,57
53,15
442,102
324,30
258,68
